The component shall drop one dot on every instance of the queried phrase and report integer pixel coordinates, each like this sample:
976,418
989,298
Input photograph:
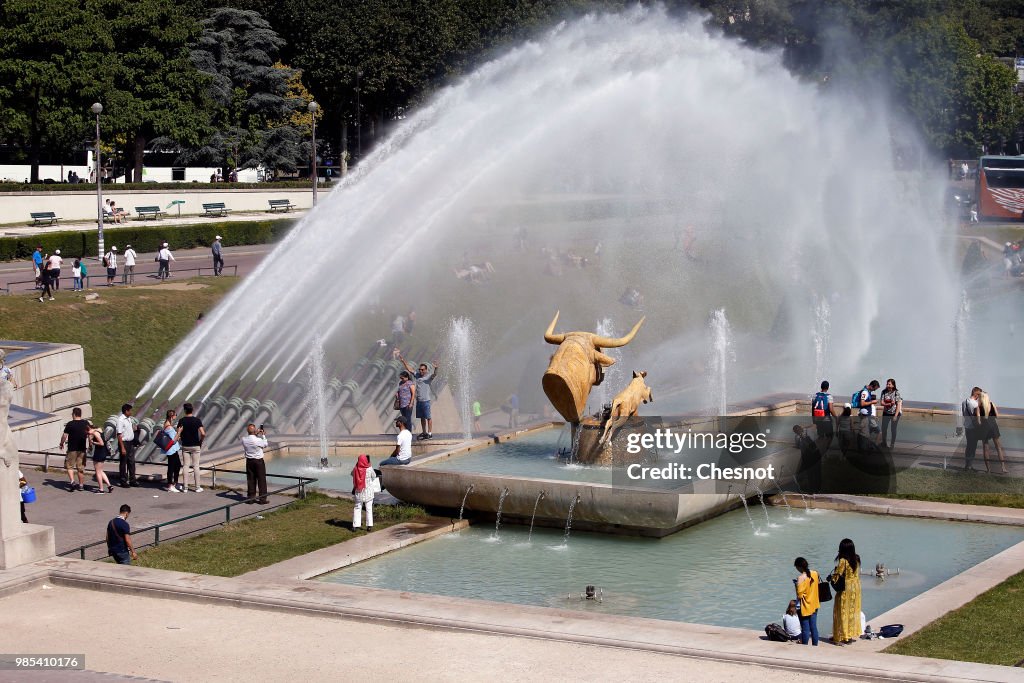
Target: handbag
838,585
375,484
398,402
824,592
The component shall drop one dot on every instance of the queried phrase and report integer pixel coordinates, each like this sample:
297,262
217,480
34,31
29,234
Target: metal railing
301,485
118,279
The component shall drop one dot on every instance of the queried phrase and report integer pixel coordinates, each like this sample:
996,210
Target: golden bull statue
577,366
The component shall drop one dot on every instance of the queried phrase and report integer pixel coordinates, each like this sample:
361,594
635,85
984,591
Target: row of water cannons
369,387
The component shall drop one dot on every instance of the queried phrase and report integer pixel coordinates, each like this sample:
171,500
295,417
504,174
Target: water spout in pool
746,508
463,506
568,519
318,401
789,510
462,343
534,515
822,336
760,498
501,502
721,356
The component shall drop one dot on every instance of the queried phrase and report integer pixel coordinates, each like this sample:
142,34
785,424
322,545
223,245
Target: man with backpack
119,537
865,401
821,413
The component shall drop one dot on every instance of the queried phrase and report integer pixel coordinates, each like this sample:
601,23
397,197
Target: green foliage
147,237
237,52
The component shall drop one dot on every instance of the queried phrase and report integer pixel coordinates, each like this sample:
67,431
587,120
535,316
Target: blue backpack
855,399
819,406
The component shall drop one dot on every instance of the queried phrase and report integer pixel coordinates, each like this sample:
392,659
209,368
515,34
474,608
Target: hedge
75,244
179,186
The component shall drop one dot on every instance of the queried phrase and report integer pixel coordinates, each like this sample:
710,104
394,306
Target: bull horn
550,337
612,343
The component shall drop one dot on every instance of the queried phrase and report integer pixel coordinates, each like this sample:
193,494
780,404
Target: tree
237,52
155,89
49,58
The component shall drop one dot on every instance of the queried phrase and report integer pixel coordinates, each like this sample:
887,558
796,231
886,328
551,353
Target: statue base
612,454
27,544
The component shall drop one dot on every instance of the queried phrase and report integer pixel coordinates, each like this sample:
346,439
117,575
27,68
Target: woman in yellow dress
846,608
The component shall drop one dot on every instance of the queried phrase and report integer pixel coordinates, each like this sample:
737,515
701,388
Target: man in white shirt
253,444
110,259
868,424
54,266
125,433
128,276
402,454
164,256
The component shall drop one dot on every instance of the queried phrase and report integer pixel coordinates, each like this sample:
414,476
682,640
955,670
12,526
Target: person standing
402,455
807,598
892,410
37,264
868,422
76,433
76,276
22,484
972,427
44,278
119,537
363,488
191,434
846,626
110,263
54,265
253,443
822,414
218,256
125,434
172,449
424,382
989,429
100,454
477,411
406,396
164,256
128,276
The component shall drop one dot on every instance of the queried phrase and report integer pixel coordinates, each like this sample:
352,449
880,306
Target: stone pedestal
19,543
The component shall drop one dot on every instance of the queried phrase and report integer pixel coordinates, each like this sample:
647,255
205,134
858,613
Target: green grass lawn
987,629
306,525
125,333
955,486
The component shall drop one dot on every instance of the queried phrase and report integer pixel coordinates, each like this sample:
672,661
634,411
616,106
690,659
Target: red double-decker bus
999,187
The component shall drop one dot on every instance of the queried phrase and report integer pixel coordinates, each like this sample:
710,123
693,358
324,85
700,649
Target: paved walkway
25,229
79,518
245,257
188,641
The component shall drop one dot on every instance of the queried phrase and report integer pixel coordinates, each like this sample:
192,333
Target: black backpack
776,633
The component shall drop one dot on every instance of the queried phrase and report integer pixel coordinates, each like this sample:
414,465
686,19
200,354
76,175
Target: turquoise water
718,572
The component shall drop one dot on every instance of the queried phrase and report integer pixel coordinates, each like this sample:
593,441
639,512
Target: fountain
789,510
501,503
962,349
533,516
612,375
721,355
746,508
462,507
568,519
462,342
317,401
821,334
760,499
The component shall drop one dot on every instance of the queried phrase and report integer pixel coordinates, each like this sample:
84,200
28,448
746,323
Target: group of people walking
812,591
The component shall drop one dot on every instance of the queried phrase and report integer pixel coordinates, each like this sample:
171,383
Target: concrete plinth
30,543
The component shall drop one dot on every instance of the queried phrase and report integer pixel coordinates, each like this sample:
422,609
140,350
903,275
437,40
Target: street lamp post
97,109
313,107
359,125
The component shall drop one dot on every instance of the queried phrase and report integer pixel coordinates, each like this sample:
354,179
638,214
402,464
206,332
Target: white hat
57,252
113,249
165,244
127,246
847,405
1009,244
218,237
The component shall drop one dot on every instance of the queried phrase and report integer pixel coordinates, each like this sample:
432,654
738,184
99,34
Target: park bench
147,211
280,204
215,209
39,216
